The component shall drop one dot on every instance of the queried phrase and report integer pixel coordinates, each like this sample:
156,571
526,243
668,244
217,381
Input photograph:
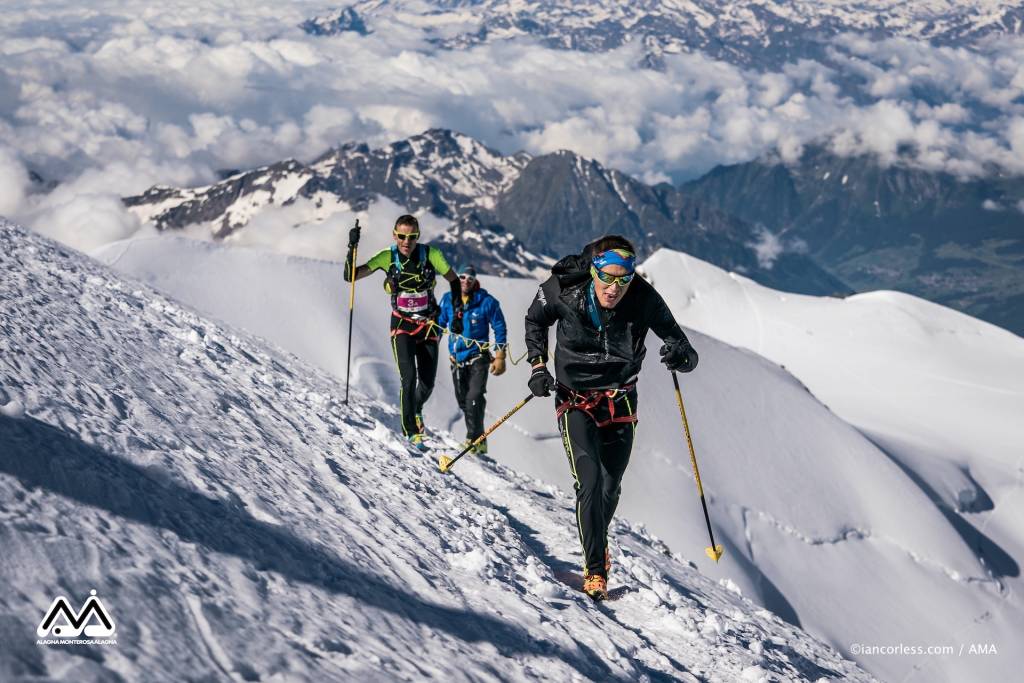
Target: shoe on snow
479,449
596,586
416,441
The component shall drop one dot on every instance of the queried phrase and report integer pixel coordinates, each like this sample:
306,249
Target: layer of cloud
86,221
122,98
14,182
768,246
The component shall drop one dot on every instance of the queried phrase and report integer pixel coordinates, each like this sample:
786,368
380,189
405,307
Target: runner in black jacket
603,314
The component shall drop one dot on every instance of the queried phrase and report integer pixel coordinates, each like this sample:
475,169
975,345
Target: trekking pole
351,311
445,463
713,551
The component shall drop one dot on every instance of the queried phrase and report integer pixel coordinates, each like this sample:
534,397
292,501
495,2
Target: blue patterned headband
615,257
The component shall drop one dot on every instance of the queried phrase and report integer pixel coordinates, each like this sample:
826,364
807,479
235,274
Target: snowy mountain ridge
491,249
440,170
509,214
240,523
755,33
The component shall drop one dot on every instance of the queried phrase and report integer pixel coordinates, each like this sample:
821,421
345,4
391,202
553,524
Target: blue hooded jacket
482,310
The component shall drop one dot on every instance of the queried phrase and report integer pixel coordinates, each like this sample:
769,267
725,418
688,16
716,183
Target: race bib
412,302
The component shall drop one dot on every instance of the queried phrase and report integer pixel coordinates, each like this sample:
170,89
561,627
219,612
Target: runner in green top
410,272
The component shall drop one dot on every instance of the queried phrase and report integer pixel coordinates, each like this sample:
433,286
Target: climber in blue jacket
471,352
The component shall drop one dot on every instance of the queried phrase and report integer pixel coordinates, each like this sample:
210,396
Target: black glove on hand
456,324
353,236
679,356
541,381
348,264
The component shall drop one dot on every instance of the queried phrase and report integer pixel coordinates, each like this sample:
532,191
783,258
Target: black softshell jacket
587,357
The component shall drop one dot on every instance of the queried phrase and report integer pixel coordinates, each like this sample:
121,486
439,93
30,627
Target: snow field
240,523
823,522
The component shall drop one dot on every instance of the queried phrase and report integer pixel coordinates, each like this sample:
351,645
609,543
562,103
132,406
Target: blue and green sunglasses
609,279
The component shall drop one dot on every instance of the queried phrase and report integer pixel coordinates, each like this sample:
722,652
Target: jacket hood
572,270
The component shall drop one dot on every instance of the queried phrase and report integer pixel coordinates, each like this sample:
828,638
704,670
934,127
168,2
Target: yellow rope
483,346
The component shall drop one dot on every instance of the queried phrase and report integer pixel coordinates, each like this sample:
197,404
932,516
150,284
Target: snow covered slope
924,381
940,391
239,523
820,524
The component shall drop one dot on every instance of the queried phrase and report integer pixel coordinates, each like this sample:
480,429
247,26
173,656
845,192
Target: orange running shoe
596,586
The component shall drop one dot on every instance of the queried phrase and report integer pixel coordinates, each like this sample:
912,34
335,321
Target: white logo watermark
61,625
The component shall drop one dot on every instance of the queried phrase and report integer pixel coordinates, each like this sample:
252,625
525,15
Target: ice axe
713,551
445,463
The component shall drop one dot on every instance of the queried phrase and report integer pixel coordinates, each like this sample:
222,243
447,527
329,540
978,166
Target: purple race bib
412,302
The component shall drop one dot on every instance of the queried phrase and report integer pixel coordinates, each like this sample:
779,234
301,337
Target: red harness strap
420,323
587,401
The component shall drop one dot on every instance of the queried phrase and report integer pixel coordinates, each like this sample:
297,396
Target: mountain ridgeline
956,242
542,207
757,35
826,225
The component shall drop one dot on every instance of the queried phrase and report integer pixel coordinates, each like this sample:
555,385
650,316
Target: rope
483,346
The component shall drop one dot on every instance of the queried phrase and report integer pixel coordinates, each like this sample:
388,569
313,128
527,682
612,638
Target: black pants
416,357
597,457
470,380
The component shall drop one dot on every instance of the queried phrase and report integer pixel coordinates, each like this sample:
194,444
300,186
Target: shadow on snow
41,456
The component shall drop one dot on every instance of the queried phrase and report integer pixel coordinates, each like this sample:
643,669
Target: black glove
456,324
353,236
541,382
679,356
348,264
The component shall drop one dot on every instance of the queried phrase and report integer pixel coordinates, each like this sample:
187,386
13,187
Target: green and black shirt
410,282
